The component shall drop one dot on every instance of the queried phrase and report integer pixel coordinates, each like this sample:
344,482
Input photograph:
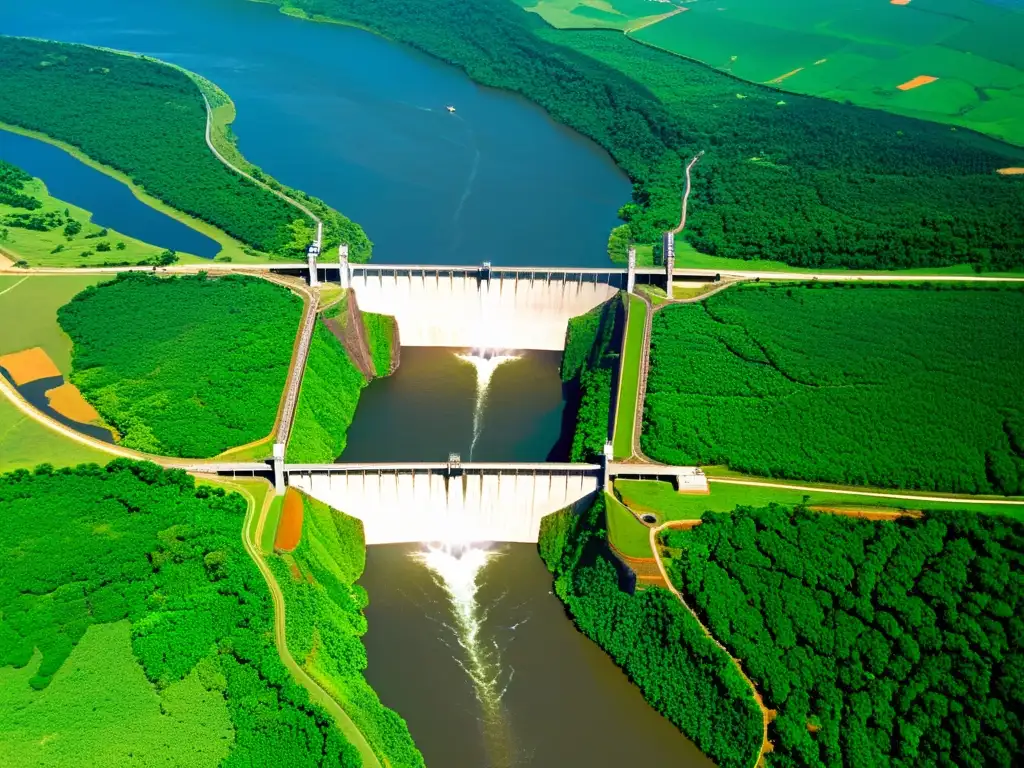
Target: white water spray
485,362
456,569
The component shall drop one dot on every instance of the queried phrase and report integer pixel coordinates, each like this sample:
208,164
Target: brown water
564,702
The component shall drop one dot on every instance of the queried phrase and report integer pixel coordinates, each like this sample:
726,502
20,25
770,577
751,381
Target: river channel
362,124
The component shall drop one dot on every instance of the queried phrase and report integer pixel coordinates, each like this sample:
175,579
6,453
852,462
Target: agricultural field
149,639
875,643
599,14
953,61
325,623
25,443
194,365
894,387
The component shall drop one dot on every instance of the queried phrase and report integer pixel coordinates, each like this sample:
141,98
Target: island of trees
801,180
147,120
183,366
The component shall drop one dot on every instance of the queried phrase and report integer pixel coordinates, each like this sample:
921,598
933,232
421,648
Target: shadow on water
34,393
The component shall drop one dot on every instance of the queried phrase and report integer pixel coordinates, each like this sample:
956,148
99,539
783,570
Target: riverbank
192,180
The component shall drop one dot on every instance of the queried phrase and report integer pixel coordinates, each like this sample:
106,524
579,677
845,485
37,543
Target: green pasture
861,54
270,526
629,379
100,709
28,313
596,14
37,248
627,534
25,443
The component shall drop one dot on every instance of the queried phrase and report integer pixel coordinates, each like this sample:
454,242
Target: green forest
654,639
86,550
12,182
590,367
193,365
325,624
878,643
896,387
796,179
148,120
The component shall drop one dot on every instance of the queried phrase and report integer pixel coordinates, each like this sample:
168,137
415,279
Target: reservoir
112,204
362,124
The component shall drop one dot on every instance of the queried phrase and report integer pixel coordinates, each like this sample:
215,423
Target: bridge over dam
455,501
478,306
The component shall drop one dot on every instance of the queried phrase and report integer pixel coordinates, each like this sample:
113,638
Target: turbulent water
485,362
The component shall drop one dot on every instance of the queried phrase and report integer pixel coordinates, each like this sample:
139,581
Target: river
362,124
482,661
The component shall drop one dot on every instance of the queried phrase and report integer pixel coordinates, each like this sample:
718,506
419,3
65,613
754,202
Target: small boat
450,108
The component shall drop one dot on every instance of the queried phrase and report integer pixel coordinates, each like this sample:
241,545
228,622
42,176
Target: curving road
686,193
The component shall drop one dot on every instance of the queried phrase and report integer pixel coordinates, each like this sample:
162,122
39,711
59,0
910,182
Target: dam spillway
482,308
433,502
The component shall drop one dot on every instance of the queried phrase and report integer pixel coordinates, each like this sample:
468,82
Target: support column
668,249
631,270
314,281
346,275
278,462
606,458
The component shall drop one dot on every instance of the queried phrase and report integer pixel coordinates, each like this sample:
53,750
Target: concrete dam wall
465,310
478,503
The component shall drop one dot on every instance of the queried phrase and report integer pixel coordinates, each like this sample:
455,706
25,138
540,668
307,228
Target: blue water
362,123
111,202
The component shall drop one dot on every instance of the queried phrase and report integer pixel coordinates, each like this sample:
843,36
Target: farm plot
967,54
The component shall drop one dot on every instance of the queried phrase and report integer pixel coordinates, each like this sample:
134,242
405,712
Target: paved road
686,194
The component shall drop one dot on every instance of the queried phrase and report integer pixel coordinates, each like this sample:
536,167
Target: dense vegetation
90,546
887,386
380,334
681,672
331,385
183,366
590,366
325,623
12,184
807,181
878,643
147,120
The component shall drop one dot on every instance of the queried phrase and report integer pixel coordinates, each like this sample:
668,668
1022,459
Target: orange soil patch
780,78
869,513
29,365
899,2
68,401
1011,171
917,82
289,529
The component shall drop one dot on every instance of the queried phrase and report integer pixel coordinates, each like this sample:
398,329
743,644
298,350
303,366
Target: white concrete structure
631,269
432,502
343,270
470,309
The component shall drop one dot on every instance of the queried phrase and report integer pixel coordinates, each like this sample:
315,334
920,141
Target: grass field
598,14
25,443
896,387
627,534
270,526
862,54
101,710
28,313
629,379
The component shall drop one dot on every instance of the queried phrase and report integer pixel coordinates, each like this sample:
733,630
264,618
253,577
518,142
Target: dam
449,502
